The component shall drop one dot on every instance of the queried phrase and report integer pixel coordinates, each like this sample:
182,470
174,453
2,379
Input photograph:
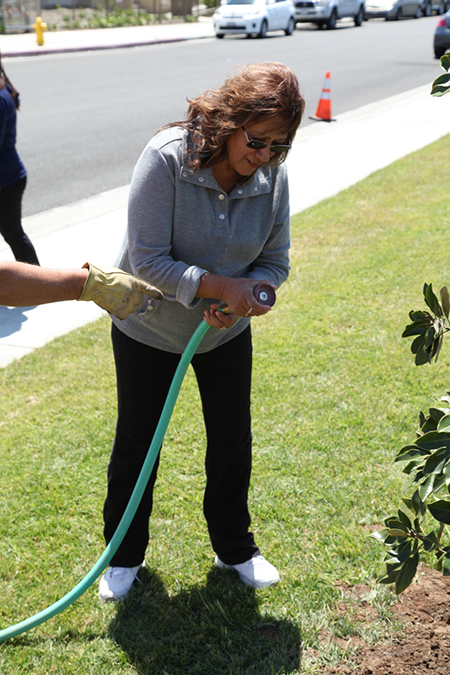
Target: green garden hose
265,294
133,504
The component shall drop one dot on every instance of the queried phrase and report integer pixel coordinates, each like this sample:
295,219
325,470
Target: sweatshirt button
222,216
200,180
221,197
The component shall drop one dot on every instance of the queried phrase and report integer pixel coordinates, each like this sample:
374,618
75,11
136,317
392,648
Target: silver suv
327,12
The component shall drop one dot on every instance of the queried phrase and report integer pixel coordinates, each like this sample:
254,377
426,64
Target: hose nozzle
265,294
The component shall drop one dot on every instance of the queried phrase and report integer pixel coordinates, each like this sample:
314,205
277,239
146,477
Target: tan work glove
116,291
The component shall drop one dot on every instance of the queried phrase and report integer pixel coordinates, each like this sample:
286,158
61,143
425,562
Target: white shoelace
119,573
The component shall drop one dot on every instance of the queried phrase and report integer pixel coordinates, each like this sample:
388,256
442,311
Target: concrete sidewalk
326,158
24,44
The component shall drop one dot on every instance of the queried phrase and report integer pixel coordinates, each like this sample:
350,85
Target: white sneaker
115,584
256,572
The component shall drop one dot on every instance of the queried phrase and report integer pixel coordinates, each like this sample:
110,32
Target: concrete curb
99,39
94,48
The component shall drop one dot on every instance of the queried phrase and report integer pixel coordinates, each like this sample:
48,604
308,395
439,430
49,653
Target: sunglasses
256,144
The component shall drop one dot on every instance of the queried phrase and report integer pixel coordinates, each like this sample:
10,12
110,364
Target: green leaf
442,80
414,466
429,338
439,90
419,475
419,505
429,425
417,344
444,424
401,553
445,299
396,532
417,526
439,482
418,316
409,452
416,328
430,422
445,62
380,535
404,517
440,510
431,542
443,551
394,523
437,460
422,357
388,572
430,298
412,506
433,440
437,347
426,488
406,573
446,564
436,414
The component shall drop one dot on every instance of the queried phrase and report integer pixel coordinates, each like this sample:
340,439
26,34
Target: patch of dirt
423,646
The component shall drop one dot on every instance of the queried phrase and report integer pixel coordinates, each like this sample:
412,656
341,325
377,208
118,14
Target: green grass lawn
336,395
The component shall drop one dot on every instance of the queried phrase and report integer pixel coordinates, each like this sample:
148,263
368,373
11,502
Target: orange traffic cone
323,112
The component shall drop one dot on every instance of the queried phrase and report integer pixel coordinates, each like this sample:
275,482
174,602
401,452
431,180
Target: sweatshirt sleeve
150,218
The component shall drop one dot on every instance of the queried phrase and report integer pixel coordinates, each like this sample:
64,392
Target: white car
254,17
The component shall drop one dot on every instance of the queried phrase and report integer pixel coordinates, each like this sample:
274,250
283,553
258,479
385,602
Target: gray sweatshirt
181,224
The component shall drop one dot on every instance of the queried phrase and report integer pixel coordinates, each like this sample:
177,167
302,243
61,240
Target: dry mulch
423,646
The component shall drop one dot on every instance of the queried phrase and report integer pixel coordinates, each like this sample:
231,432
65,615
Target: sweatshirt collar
259,183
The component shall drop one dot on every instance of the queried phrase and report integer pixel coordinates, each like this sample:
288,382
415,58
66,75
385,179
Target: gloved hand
116,291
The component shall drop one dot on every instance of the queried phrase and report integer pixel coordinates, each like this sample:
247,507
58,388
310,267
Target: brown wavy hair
257,92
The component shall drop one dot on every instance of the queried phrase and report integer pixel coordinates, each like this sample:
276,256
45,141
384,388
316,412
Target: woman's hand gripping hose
263,293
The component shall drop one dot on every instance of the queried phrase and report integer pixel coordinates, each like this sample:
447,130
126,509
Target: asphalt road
86,117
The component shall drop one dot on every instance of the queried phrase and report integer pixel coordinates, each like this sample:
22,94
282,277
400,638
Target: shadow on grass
216,628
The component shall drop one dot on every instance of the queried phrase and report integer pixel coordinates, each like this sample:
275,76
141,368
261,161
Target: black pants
11,222
144,375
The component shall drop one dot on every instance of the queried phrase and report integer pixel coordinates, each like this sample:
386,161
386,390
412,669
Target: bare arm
23,285
110,288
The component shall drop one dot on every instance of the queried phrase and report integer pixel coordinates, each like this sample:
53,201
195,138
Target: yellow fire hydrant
40,26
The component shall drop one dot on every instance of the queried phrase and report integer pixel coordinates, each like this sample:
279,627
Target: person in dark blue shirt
13,177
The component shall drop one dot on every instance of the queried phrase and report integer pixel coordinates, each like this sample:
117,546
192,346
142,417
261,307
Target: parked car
393,10
327,12
254,17
436,6
442,36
